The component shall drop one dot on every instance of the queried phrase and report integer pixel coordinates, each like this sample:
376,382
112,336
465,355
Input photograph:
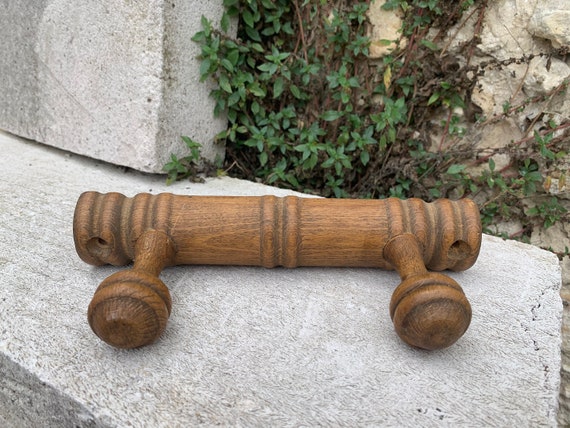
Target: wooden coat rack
131,307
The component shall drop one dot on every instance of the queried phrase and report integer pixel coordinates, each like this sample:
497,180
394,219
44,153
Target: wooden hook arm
429,309
131,308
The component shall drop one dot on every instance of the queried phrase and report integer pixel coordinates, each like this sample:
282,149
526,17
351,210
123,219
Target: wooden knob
131,308
429,310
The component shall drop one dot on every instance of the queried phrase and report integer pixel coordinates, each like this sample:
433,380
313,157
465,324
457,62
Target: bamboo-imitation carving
131,308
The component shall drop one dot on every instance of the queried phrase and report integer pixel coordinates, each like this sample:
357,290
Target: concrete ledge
117,81
252,346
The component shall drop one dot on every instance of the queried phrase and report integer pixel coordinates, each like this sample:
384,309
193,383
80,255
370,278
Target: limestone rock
499,87
506,228
505,33
550,21
386,27
556,237
496,137
544,75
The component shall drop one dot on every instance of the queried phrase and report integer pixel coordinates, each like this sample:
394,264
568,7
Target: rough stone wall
530,42
533,47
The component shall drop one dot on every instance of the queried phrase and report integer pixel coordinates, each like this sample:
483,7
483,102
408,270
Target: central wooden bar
270,231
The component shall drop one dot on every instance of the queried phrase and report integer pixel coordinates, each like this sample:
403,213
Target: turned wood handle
160,230
270,231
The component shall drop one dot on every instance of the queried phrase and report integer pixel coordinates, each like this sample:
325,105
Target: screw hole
458,250
99,247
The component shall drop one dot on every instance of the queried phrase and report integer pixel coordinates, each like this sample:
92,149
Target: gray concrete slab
252,346
113,80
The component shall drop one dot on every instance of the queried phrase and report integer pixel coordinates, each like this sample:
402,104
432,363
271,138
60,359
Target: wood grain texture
270,231
131,308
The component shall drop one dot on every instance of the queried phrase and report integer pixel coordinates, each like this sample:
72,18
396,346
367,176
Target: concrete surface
113,80
252,346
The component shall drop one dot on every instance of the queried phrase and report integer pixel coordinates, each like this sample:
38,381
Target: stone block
249,346
113,80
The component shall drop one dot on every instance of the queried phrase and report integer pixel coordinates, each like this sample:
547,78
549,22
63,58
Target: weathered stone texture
385,29
550,21
117,81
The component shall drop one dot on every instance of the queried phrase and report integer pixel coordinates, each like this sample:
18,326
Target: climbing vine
309,109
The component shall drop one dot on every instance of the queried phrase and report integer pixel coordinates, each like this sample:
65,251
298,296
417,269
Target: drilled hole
458,250
98,246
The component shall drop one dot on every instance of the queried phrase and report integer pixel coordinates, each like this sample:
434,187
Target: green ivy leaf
434,97
331,115
268,67
225,22
248,18
430,45
257,90
295,91
455,169
233,99
278,87
224,83
263,158
233,56
328,163
205,69
227,64
253,34
206,26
